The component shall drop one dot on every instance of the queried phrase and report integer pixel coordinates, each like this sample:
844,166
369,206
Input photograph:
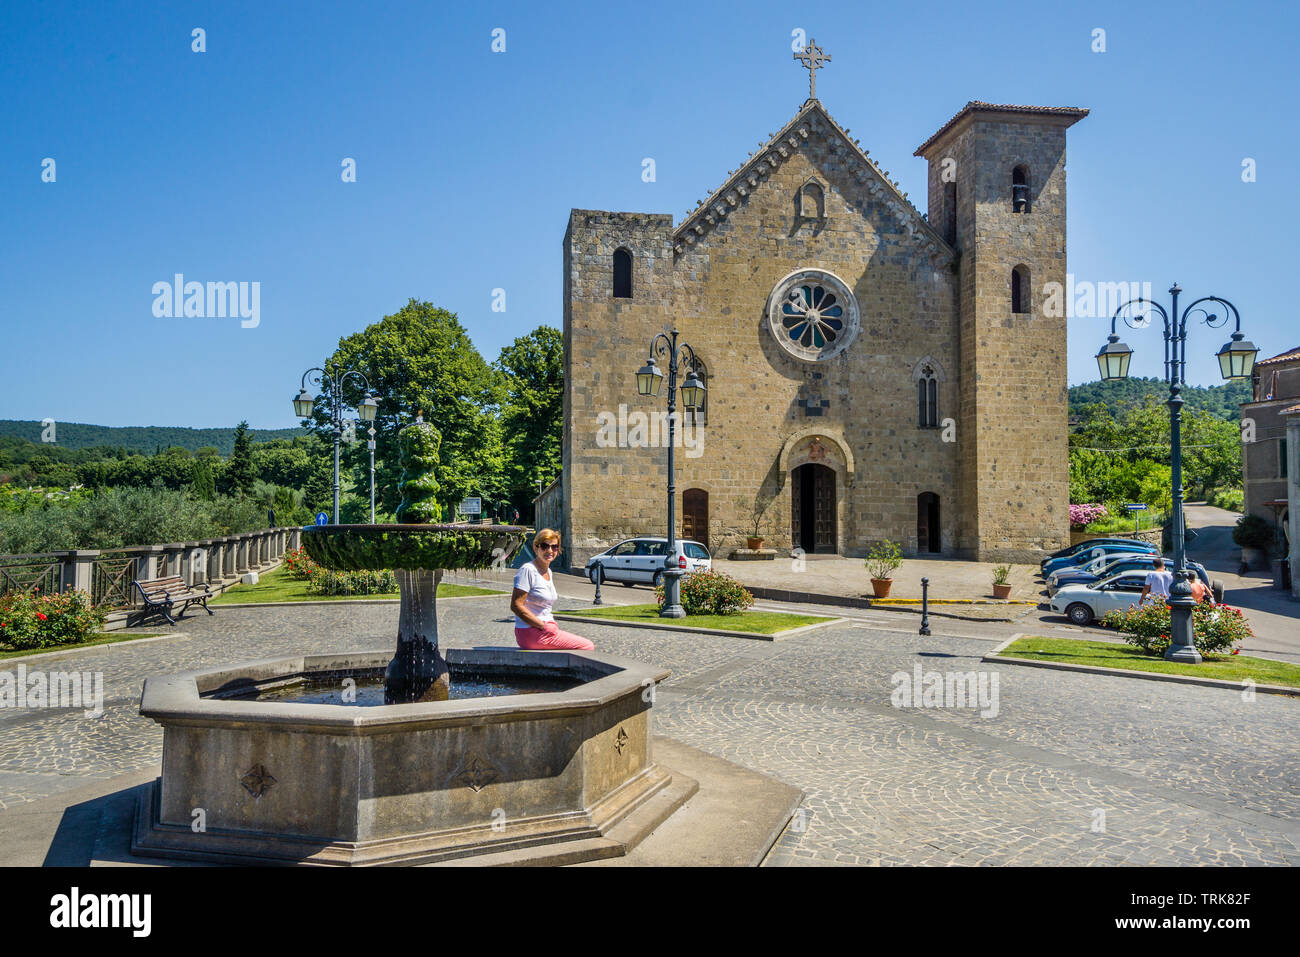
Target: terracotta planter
1001,591
881,586
753,544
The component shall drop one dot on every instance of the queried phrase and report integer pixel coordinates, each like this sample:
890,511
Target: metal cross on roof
814,58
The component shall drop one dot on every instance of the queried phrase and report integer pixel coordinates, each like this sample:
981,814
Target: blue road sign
1136,508
322,518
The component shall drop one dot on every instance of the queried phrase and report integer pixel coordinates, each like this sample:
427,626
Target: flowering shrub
710,593
42,621
326,581
298,564
1215,628
1082,515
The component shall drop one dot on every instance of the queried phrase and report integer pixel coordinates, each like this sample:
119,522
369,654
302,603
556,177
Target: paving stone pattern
1184,775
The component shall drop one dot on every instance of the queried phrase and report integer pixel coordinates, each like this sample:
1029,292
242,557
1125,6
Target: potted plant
882,561
1255,536
755,542
1001,589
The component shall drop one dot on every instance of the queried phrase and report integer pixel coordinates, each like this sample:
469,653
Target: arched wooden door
812,505
695,515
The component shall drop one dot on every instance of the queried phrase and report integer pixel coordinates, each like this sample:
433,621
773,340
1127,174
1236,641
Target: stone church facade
871,372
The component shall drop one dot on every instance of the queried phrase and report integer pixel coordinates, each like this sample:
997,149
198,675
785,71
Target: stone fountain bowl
377,547
554,777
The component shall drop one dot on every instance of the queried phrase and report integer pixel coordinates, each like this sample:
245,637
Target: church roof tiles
1291,355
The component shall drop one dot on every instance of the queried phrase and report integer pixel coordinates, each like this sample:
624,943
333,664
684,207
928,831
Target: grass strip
1106,654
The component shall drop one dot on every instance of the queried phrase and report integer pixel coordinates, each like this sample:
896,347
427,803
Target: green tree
202,485
420,359
532,414
419,443
240,471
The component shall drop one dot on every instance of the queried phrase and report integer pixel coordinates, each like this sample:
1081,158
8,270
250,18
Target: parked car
641,560
1098,551
1089,543
1084,604
1112,565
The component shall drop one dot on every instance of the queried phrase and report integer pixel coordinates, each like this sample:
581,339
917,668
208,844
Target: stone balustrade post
193,561
215,557
295,538
229,553
241,554
77,568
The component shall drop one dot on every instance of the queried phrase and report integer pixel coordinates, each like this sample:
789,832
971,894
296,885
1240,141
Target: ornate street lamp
303,403
1236,360
648,381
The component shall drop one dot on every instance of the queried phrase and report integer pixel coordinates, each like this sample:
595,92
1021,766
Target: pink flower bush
1081,515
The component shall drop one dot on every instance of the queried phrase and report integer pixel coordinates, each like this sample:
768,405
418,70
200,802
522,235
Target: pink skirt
535,639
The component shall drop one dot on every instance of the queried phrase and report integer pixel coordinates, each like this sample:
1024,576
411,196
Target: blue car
1090,543
1086,575
1094,551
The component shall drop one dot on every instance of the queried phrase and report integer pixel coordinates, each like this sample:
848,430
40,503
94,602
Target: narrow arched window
927,398
1020,190
622,274
1020,289
950,212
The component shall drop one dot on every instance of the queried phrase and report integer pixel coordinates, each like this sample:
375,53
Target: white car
642,560
1084,604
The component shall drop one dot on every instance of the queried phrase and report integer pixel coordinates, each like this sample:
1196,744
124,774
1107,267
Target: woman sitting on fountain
534,594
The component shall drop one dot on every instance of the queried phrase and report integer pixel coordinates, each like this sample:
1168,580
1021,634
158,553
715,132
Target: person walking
1158,582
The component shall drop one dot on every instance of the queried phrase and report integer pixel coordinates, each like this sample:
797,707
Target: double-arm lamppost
648,381
303,404
1236,360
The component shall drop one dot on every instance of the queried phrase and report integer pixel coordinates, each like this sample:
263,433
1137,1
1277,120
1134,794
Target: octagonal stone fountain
297,759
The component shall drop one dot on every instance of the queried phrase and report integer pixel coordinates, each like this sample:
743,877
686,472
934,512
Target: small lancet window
622,274
1020,190
810,202
1020,289
927,398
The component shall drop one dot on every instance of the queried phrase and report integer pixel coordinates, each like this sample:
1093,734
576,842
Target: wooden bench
160,596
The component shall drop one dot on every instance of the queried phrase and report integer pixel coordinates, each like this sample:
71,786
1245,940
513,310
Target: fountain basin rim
177,699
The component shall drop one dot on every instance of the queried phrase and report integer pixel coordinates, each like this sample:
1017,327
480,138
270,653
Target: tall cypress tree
240,469
202,484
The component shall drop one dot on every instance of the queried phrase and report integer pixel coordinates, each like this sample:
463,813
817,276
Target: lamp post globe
368,408
1237,357
649,379
1113,359
303,403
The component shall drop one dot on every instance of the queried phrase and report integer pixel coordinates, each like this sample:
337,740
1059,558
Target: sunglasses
549,545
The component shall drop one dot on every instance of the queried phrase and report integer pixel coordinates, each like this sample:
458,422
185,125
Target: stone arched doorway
813,501
928,538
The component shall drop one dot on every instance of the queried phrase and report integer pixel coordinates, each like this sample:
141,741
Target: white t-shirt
541,593
1159,583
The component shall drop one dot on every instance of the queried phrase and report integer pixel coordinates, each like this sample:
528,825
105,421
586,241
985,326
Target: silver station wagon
642,560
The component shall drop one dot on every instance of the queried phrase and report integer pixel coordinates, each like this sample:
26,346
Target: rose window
813,314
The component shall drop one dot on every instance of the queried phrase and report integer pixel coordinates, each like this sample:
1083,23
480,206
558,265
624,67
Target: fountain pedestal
418,671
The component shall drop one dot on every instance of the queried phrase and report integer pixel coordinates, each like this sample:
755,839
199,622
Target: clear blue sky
225,165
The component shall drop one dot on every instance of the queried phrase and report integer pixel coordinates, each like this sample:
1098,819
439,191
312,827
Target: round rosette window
813,314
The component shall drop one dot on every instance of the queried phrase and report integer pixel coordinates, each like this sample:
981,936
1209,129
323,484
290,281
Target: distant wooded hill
145,439
1222,400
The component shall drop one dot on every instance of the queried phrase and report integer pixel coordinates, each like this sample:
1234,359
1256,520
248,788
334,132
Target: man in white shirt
1158,582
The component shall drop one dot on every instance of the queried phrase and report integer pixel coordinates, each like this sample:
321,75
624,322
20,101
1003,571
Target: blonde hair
545,535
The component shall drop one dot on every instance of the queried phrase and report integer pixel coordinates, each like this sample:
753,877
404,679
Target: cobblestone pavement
1072,769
